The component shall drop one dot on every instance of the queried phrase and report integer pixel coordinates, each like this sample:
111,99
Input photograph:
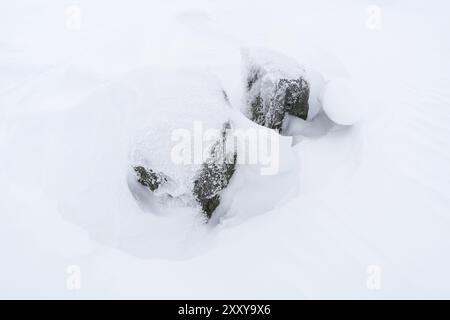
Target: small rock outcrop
150,179
215,174
275,85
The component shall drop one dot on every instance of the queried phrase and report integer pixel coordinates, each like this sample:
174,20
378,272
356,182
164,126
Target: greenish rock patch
149,178
214,175
289,96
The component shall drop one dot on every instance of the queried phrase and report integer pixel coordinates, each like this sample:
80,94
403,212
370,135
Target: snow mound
175,107
341,103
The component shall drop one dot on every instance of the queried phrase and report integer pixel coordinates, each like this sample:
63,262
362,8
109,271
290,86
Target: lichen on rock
275,86
215,174
149,178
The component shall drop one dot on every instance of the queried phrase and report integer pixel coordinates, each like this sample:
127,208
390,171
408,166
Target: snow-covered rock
178,133
277,86
216,173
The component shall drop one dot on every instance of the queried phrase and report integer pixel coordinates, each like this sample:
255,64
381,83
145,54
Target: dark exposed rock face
287,96
275,86
292,96
149,178
214,175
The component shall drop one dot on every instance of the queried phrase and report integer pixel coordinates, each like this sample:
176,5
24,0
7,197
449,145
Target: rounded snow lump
341,103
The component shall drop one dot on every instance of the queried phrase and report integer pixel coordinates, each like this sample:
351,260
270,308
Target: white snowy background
375,196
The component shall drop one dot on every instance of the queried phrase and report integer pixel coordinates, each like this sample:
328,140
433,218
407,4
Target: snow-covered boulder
275,86
179,134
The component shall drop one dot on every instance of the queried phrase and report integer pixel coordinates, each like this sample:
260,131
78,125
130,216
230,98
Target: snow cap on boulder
275,86
182,116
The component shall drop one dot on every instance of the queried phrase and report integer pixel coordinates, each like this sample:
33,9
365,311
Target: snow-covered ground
364,211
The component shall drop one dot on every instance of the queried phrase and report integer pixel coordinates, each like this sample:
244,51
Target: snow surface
373,194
